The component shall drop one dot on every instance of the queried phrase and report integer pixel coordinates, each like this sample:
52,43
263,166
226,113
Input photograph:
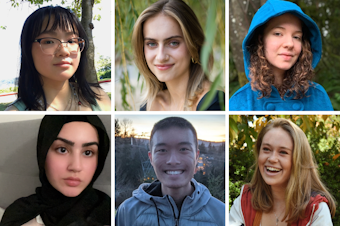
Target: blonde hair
193,37
304,178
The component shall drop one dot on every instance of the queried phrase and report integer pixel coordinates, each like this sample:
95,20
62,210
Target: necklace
277,218
69,103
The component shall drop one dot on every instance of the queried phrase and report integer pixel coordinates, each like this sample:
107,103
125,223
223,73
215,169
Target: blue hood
274,8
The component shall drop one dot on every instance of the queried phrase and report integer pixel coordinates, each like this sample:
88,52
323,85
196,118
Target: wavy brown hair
297,79
194,39
304,178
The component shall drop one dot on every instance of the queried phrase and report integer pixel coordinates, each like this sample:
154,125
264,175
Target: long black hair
29,85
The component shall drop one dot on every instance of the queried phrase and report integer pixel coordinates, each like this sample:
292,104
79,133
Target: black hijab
90,207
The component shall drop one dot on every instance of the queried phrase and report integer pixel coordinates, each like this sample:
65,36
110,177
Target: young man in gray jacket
175,198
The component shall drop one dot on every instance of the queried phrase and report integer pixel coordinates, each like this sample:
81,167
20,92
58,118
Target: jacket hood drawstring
156,210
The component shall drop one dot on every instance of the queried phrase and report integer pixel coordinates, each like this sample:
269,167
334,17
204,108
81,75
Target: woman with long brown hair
286,188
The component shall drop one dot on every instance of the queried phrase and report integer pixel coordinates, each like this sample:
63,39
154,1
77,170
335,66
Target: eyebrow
72,143
175,36
180,143
300,31
280,147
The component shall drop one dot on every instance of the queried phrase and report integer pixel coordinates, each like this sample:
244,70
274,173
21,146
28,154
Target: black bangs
62,18
50,18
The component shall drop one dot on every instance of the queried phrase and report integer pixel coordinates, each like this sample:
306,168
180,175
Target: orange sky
208,127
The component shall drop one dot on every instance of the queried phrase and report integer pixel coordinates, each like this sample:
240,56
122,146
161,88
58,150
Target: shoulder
316,94
17,105
105,101
322,216
240,99
129,211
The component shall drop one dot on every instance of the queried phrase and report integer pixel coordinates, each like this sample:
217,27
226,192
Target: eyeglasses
50,45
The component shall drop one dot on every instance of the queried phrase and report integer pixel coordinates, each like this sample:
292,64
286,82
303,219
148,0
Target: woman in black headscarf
66,197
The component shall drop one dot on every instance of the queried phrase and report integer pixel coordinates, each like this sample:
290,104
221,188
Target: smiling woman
71,153
53,65
286,188
167,41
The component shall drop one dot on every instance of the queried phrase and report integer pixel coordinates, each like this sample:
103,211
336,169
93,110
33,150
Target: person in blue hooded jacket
280,51
175,198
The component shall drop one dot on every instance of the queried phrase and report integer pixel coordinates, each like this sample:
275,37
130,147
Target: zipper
173,210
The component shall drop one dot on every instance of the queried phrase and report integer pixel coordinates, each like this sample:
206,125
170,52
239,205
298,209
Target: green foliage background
326,14
322,132
211,15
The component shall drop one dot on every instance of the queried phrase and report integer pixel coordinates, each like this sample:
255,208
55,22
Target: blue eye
151,44
174,44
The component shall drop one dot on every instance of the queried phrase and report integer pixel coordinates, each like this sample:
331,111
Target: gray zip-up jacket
148,207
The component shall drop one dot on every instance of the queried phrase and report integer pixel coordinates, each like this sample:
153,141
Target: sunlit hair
173,122
29,85
193,37
304,178
297,79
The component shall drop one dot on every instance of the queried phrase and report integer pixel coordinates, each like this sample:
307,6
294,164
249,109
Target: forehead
284,20
79,131
161,27
278,137
173,136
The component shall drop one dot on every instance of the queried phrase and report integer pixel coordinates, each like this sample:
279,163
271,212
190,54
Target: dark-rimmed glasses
50,45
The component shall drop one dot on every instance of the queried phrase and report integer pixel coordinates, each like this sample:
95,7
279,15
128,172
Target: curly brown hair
297,79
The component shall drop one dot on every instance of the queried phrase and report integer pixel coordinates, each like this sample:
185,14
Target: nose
273,157
161,54
173,158
62,50
289,42
75,163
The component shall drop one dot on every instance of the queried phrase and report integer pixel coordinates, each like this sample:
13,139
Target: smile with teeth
272,169
174,172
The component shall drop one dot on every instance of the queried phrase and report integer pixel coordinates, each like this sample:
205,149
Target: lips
72,181
286,56
63,64
163,67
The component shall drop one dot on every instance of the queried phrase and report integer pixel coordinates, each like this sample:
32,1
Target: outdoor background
322,132
129,85
132,163
13,14
325,13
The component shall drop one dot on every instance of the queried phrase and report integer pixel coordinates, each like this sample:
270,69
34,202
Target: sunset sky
208,127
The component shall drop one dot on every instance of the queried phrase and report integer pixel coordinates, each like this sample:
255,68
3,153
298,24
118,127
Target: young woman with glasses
53,65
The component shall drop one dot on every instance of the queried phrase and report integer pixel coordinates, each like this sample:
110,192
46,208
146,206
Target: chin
71,194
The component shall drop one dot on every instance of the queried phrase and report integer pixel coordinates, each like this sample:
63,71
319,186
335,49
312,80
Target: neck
279,195
177,90
57,94
178,194
279,76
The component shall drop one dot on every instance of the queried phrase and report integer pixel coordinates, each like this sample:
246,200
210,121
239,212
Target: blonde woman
167,41
286,188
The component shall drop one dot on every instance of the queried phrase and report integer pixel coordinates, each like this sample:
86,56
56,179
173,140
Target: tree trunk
240,16
86,21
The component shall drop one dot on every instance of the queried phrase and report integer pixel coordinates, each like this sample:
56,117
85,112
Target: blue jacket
145,209
316,99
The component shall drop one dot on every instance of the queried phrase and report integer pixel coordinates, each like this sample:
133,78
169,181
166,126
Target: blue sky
14,18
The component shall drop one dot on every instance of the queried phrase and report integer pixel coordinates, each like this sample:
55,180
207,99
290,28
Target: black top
216,104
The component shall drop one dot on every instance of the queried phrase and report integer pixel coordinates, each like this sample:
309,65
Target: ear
150,156
197,156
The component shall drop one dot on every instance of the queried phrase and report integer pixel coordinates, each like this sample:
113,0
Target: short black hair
171,122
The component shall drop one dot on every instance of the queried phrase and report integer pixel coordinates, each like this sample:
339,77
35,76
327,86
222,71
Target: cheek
91,168
53,167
